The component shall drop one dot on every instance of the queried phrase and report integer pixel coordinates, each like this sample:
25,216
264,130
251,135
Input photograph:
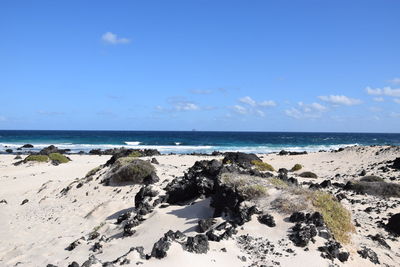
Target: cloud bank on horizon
280,67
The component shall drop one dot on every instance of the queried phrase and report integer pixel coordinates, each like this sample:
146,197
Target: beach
46,207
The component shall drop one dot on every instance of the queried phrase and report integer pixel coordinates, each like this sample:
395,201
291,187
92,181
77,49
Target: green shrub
296,167
59,157
132,170
37,158
135,154
308,175
262,166
253,191
94,171
371,178
278,183
336,217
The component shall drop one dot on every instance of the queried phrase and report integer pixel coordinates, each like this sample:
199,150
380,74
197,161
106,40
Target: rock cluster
196,244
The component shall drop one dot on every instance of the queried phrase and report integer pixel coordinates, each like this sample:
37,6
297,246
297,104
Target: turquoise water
195,141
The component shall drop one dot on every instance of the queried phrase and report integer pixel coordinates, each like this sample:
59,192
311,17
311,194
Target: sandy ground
37,233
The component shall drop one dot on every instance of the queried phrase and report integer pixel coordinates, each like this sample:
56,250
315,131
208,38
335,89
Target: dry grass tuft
262,166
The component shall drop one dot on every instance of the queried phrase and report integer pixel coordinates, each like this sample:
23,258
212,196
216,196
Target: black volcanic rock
197,244
205,224
27,146
396,164
369,254
199,180
393,224
303,234
267,219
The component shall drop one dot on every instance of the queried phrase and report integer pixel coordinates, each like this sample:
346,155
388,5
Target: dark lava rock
8,150
308,175
363,173
396,164
331,250
326,183
283,153
27,146
145,193
197,244
371,178
52,149
303,234
368,253
154,161
314,218
3,201
291,153
224,230
380,239
205,224
161,247
73,245
123,152
124,216
241,159
382,189
18,157
267,219
73,264
129,225
199,180
93,235
24,201
297,217
393,224
135,171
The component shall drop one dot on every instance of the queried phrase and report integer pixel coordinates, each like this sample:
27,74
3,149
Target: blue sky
206,64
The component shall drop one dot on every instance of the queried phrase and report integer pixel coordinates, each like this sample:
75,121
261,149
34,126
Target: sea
182,142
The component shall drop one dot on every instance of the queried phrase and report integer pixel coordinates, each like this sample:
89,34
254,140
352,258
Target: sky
237,65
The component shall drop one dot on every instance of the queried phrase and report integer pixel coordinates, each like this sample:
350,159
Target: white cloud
378,99
312,106
340,100
112,38
239,109
248,100
185,106
397,100
395,81
385,91
302,111
251,102
260,113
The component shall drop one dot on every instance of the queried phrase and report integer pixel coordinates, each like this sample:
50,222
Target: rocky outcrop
396,164
123,152
199,180
52,149
196,244
241,159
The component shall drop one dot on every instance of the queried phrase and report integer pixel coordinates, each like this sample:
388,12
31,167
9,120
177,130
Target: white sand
37,233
